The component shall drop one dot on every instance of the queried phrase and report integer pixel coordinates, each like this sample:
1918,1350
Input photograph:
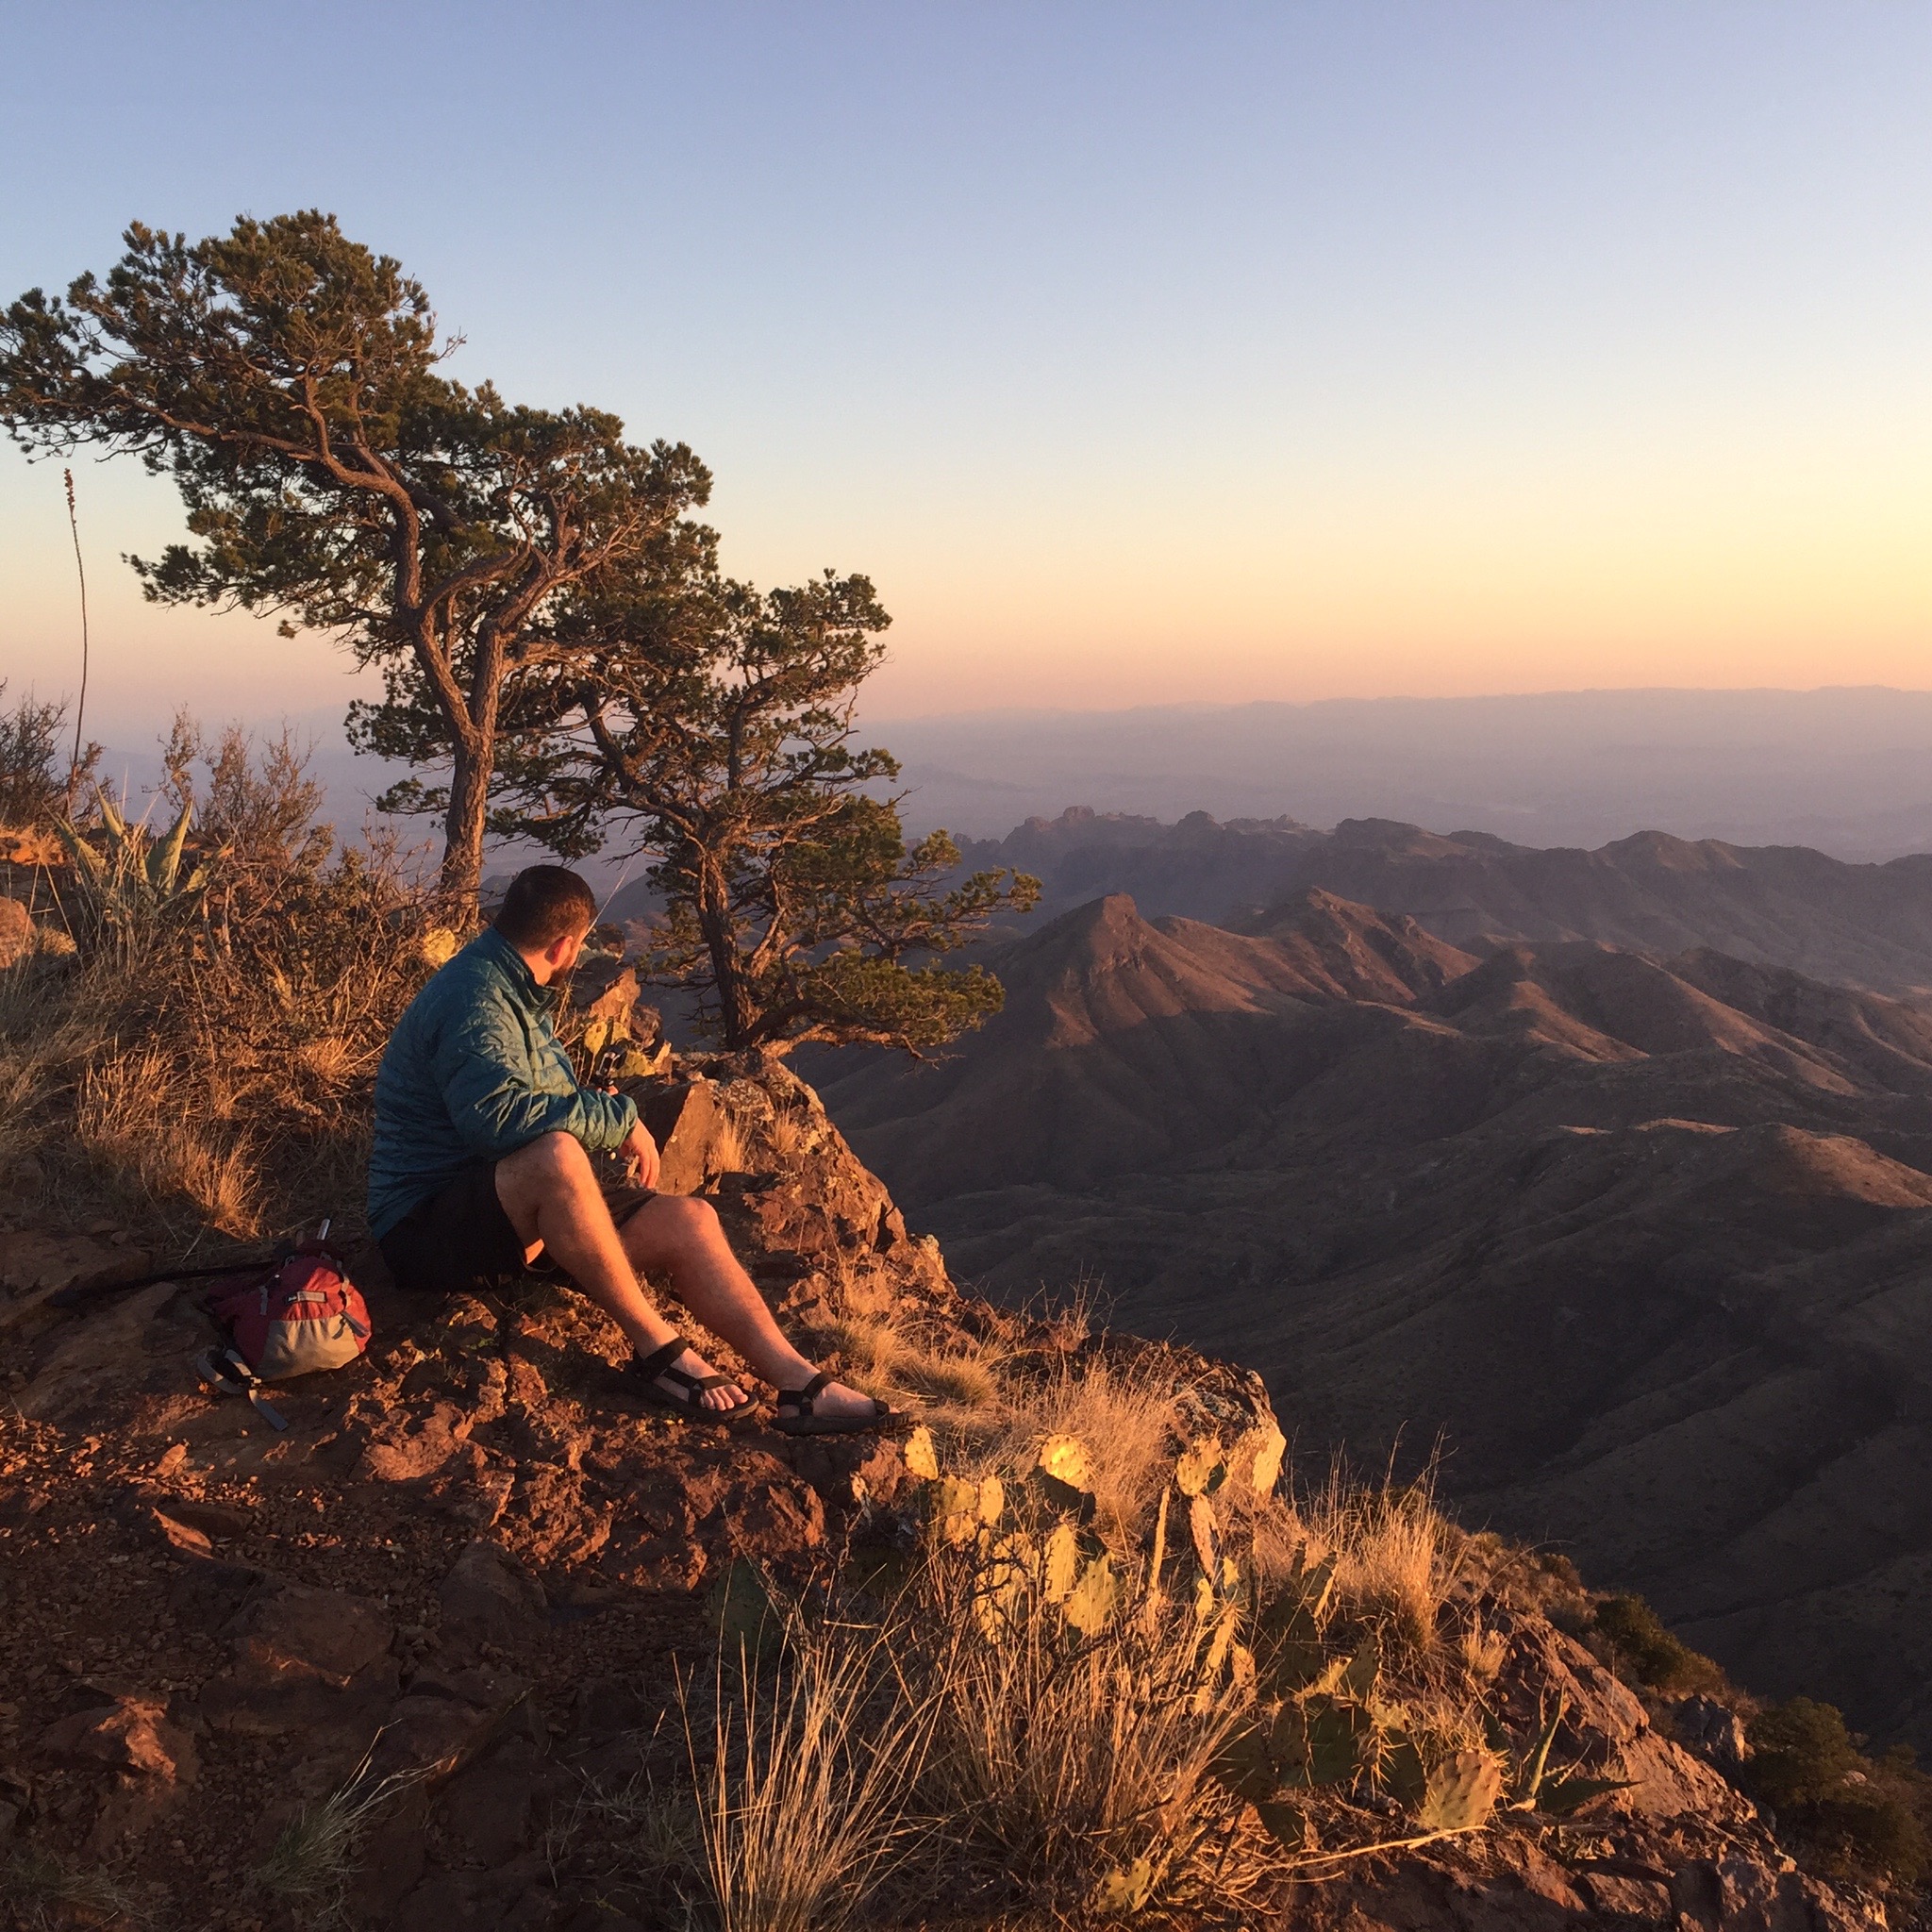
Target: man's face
572,945
561,956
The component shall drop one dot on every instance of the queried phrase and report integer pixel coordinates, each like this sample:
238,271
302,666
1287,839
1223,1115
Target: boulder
36,1267
303,1659
488,1598
16,932
691,1128
490,1807
772,1520
131,1735
431,1732
414,1444
1713,1731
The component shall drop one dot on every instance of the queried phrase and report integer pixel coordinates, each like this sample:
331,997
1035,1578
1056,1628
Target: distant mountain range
1609,1173
1866,924
1848,772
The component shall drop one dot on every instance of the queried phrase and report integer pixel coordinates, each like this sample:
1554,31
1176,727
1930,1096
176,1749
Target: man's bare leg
554,1202
552,1198
678,1239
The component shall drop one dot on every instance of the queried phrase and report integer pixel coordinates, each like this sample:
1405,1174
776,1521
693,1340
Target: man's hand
641,1149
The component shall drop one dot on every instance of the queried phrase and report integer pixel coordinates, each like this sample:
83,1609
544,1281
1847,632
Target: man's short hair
545,904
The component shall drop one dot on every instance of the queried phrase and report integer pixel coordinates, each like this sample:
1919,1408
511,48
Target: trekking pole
80,1296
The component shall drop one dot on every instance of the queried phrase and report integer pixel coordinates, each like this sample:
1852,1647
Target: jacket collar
498,950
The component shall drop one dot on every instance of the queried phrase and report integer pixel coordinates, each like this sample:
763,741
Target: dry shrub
886,1749
36,767
212,1061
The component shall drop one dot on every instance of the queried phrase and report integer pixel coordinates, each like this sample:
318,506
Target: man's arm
480,1066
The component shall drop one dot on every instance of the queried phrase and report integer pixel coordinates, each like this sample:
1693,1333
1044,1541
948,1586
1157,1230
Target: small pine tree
715,724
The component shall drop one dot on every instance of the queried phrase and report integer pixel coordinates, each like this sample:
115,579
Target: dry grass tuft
653,1832
130,1117
1393,1555
726,1152
788,1136
41,1892
1124,1414
801,1782
955,1373
1063,1764
314,1858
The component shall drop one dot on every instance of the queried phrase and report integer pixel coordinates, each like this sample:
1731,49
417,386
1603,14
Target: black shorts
460,1240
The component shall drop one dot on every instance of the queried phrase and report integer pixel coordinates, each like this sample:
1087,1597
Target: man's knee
552,1160
672,1222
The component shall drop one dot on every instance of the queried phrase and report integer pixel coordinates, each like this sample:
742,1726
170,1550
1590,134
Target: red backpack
300,1314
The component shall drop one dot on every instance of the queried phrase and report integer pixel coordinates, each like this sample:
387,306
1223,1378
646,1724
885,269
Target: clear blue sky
1138,353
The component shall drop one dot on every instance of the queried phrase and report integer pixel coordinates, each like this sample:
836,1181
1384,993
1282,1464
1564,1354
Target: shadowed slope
1646,1244
1129,1045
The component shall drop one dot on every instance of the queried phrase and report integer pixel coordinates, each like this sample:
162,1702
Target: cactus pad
1462,1792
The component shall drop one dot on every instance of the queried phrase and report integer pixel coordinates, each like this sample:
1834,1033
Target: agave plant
126,878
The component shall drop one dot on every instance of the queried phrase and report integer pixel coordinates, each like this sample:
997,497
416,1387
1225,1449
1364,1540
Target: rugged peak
1663,852
1350,951
1395,838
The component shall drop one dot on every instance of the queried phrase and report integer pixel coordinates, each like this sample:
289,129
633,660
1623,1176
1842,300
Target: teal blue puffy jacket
474,1070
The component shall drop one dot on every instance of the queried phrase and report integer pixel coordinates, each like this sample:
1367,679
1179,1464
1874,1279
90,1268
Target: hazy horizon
1254,354
1846,770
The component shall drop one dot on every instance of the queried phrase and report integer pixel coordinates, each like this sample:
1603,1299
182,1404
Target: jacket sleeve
481,1066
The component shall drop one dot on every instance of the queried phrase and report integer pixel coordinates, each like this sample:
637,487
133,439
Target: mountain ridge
1861,923
1568,1211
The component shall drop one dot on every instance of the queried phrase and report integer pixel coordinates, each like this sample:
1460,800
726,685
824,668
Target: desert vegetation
189,1040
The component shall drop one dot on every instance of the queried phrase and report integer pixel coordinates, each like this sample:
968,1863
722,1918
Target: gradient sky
1139,353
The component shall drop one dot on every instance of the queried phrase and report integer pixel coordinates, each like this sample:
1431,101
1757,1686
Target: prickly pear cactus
1462,1791
1091,1605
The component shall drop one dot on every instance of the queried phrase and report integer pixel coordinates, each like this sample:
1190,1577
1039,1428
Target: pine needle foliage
713,725
286,379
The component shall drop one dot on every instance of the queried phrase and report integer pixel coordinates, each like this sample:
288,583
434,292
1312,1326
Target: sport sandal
795,1415
644,1371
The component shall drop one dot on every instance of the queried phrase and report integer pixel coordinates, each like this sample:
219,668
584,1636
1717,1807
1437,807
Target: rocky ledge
475,1562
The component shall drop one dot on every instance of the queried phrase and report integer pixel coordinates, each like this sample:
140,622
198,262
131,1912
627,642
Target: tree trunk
714,922
462,849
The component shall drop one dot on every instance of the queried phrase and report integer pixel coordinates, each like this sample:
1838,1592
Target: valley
1631,1241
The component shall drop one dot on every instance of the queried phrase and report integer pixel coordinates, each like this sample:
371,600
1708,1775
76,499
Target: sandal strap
686,1380
802,1399
653,1365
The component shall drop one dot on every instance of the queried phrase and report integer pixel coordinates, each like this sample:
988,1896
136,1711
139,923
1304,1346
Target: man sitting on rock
482,1165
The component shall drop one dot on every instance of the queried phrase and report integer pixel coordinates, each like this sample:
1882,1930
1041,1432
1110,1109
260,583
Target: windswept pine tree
713,724
287,380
